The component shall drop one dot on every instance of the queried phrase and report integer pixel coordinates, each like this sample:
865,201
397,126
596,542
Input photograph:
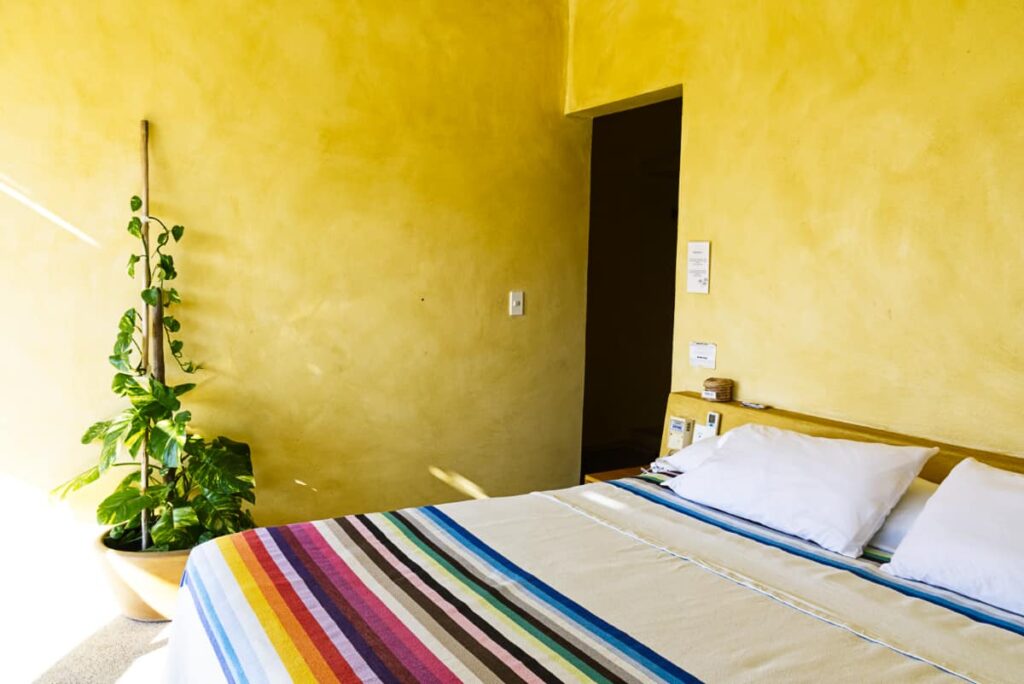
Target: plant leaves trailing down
196,489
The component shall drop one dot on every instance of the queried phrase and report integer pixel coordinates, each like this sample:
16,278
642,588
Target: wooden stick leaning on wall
144,457
153,334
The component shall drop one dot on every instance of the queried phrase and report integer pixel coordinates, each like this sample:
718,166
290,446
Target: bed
616,581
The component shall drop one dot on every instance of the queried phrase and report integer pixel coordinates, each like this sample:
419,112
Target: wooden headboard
690,405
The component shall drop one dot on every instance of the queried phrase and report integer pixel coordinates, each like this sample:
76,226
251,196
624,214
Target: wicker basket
717,389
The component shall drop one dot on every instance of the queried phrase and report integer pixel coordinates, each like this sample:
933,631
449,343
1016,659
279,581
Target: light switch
515,303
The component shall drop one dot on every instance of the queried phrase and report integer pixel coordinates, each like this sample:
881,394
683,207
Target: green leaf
223,465
133,437
132,260
127,386
177,232
172,297
164,394
167,263
221,513
108,453
177,528
119,427
161,239
95,431
182,389
166,442
185,516
156,492
123,343
150,409
123,505
120,362
126,323
135,226
151,295
176,346
172,324
136,202
77,482
183,416
130,479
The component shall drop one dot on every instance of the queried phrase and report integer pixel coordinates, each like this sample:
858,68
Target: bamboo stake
146,320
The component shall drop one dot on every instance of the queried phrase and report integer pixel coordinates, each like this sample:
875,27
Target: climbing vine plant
182,489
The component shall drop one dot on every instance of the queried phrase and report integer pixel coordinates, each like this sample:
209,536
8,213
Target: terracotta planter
144,583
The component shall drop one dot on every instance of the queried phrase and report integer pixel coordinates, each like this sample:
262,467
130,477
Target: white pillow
969,538
834,492
689,457
903,516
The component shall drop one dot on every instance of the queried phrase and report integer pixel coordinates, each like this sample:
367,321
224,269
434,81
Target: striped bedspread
406,596
621,581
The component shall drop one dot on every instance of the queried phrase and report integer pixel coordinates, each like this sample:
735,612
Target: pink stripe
400,640
334,633
514,663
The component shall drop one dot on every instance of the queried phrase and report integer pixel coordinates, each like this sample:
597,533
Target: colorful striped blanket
610,582
408,596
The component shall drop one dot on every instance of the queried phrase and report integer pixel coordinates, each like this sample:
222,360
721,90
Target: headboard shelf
734,414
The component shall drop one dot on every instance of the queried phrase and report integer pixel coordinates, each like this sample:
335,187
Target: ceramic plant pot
144,583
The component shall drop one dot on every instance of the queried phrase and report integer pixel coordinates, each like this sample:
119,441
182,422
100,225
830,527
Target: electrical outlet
711,429
702,432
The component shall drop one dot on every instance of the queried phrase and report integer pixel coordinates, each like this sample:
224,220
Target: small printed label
703,354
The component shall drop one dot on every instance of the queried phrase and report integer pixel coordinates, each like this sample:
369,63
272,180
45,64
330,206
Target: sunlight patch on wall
458,482
18,196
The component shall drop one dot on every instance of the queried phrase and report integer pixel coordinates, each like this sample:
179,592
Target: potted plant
181,489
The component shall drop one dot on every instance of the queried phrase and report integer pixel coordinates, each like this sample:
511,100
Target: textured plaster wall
859,169
362,184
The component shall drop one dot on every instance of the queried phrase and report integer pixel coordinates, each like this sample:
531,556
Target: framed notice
698,266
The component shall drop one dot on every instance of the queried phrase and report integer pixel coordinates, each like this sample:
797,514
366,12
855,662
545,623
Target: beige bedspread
729,608
691,588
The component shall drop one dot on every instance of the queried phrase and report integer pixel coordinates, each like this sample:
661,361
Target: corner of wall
569,101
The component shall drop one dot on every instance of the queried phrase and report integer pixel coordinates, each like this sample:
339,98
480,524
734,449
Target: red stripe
402,642
310,624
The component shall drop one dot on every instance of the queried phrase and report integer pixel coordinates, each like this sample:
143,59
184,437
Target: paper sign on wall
703,354
698,266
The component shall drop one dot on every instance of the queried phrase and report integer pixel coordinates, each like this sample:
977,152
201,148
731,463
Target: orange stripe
299,655
335,661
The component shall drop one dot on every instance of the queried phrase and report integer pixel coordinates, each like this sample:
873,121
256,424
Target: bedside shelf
616,474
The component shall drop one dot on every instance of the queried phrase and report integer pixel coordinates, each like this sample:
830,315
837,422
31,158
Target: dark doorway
631,272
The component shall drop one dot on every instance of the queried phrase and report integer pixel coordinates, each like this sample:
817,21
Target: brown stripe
394,667
463,655
493,662
569,642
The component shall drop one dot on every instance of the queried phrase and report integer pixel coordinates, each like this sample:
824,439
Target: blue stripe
214,632
641,654
863,573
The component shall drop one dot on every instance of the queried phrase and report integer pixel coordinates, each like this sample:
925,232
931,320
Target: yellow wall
859,169
362,184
